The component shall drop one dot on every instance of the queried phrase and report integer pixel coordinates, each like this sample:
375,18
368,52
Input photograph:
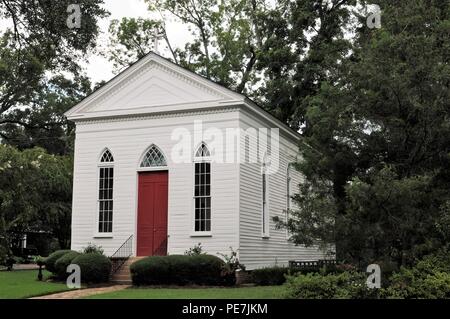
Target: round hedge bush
62,263
95,268
178,269
53,257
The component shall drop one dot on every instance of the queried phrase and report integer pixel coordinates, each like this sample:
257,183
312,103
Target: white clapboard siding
255,251
143,106
128,140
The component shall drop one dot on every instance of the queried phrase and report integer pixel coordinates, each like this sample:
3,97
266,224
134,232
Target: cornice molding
139,117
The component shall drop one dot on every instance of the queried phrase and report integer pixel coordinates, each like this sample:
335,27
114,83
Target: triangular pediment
153,84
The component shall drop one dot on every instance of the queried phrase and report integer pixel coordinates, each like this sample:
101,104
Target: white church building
166,159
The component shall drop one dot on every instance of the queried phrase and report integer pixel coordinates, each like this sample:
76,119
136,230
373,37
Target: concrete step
123,275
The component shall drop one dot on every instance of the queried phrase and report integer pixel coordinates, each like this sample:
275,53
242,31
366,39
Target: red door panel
152,214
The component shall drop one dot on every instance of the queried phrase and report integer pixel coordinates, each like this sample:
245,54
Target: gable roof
155,84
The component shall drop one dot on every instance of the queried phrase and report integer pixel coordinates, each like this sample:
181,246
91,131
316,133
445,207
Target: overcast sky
100,68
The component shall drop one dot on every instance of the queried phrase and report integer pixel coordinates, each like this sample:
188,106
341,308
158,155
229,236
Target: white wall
128,139
256,251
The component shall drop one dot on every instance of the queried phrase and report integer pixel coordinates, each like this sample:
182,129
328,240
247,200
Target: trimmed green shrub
269,276
346,285
177,269
208,270
150,271
62,263
53,257
94,267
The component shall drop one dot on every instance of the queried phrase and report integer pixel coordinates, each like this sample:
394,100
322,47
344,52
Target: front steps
123,275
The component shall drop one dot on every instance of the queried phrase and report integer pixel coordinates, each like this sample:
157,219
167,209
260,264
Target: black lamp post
40,263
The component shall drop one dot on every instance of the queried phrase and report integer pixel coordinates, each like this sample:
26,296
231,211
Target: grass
267,292
21,284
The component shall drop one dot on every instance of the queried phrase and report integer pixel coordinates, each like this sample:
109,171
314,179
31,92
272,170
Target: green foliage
225,43
196,250
38,42
35,195
429,279
62,263
95,268
346,285
177,269
375,153
42,123
269,276
151,271
39,260
93,249
50,261
232,264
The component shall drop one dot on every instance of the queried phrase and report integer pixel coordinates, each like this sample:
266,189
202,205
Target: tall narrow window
105,196
202,190
265,211
288,195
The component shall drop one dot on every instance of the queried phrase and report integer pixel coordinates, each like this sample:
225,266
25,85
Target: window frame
152,168
100,165
288,196
198,160
265,202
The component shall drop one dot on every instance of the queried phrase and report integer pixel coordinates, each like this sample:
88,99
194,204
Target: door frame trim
136,213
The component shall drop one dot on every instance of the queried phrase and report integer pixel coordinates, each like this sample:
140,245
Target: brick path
80,293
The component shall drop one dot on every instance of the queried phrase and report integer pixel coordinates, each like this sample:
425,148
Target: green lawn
20,284
268,292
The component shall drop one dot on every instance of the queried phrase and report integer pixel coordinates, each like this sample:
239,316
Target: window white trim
201,234
151,167
288,196
197,160
101,164
265,206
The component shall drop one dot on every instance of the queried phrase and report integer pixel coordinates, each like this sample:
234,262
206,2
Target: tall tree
225,45
377,149
37,42
42,123
35,194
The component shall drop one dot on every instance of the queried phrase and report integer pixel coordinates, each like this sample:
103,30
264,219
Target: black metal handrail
122,254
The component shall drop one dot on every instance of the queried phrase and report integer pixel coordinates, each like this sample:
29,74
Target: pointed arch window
107,157
153,158
202,190
105,192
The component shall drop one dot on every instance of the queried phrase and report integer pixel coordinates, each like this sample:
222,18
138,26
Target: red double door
152,214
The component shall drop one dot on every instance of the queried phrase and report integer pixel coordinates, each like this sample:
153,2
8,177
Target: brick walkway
80,293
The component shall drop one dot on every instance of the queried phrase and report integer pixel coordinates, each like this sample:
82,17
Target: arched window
202,189
107,157
203,151
153,158
105,193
